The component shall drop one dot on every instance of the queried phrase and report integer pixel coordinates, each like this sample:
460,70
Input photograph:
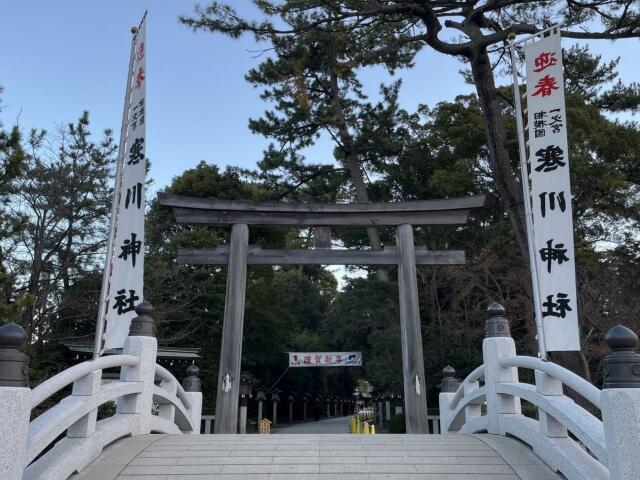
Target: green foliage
12,159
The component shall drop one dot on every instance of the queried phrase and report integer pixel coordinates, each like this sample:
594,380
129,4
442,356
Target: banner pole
527,204
104,289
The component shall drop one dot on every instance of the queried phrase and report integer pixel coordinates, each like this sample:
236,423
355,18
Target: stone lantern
246,392
291,400
261,398
398,404
275,398
387,405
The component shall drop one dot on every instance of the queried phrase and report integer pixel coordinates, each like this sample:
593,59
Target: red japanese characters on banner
550,194
325,359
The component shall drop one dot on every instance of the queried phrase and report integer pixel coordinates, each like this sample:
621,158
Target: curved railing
65,378
177,412
570,438
566,436
67,436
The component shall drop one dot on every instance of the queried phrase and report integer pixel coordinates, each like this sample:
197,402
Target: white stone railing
66,437
567,437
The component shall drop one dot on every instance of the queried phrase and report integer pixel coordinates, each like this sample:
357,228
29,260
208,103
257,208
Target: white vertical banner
551,194
125,283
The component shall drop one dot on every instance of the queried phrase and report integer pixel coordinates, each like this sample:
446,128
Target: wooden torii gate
238,254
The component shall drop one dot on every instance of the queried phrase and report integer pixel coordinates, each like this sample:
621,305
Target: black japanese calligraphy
137,115
559,308
557,122
550,158
552,197
553,253
130,249
539,123
136,152
122,303
134,196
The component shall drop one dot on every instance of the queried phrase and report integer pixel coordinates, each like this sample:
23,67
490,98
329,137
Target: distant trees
12,158
59,205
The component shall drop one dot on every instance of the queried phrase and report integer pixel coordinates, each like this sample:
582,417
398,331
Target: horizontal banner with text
325,359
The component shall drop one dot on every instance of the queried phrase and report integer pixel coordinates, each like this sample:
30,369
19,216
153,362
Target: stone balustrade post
193,389
15,401
621,403
498,344
142,343
87,386
448,389
550,387
167,411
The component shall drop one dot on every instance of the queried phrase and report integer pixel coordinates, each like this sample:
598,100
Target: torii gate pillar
231,351
415,399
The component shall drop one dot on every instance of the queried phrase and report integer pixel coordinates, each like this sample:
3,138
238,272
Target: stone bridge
155,430
318,456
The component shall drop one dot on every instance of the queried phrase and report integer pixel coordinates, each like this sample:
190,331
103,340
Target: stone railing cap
12,335
621,338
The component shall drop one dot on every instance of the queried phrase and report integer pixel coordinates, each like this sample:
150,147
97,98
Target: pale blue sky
64,56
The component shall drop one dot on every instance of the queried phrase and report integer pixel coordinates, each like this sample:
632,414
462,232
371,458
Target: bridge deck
317,456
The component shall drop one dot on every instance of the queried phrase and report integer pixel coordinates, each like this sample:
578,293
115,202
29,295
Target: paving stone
419,476
318,456
225,461
441,468
297,460
276,468
319,476
172,469
534,472
483,476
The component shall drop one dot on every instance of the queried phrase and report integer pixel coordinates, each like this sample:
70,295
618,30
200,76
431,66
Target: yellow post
373,429
366,428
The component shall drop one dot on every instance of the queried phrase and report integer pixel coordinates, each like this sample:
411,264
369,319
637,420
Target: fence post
498,344
142,343
193,388
448,389
621,403
15,401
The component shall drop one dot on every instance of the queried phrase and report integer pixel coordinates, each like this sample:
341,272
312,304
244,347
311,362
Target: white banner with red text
550,193
325,359
125,282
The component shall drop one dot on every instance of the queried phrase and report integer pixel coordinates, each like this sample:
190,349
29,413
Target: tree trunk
507,186
354,168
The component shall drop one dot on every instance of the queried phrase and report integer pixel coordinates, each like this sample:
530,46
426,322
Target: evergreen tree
475,32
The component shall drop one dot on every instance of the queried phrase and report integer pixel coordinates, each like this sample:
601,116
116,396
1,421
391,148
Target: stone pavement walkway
317,457
327,425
